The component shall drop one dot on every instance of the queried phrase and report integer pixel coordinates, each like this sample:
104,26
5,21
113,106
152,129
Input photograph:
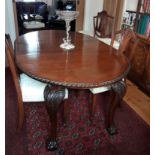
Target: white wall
91,9
131,5
9,20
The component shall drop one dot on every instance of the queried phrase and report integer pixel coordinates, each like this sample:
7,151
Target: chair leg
20,116
93,98
66,110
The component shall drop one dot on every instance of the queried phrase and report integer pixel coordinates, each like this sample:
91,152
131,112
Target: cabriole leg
53,98
118,92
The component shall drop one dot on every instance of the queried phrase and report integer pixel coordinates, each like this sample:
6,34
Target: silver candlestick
68,16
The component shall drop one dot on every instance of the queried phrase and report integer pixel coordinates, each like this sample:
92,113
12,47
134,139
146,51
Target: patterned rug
80,136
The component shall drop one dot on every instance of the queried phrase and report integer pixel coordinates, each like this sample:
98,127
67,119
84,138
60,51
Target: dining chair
103,25
126,36
27,88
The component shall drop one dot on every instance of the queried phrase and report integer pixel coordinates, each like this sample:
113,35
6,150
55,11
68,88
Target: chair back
7,36
125,37
103,25
13,69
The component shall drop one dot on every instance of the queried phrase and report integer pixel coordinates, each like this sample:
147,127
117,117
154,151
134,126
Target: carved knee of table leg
119,88
53,98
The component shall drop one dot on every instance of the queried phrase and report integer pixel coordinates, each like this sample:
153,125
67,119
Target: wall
131,4
91,9
9,20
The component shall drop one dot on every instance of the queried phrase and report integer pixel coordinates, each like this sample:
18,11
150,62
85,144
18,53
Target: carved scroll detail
53,97
119,88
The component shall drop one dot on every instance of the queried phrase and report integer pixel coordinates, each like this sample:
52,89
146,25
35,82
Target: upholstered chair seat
100,89
33,25
27,88
32,90
107,41
86,33
38,17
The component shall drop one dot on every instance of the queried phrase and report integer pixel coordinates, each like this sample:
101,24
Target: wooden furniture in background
140,69
103,25
126,35
104,28
90,64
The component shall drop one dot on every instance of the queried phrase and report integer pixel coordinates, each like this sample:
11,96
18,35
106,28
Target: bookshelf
138,20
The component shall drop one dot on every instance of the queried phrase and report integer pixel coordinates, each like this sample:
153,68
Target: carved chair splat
103,25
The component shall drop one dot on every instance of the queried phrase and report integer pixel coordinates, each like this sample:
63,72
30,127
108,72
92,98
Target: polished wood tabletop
90,64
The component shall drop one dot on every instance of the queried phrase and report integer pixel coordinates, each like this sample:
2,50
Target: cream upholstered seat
104,40
38,17
33,25
86,32
27,88
108,42
32,90
100,89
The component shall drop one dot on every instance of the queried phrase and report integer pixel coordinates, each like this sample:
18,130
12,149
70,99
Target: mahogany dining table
90,64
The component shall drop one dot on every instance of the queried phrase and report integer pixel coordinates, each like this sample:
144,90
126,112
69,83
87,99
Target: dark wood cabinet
140,69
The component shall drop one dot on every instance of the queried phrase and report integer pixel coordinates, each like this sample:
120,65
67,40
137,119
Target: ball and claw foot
51,145
112,130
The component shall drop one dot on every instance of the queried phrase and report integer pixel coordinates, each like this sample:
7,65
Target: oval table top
90,64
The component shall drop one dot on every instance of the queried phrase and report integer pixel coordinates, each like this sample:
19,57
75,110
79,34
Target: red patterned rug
80,136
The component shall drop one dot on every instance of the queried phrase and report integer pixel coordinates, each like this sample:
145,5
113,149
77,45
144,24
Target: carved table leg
53,98
118,92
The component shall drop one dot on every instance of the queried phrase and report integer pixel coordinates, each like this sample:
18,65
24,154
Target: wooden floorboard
138,101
